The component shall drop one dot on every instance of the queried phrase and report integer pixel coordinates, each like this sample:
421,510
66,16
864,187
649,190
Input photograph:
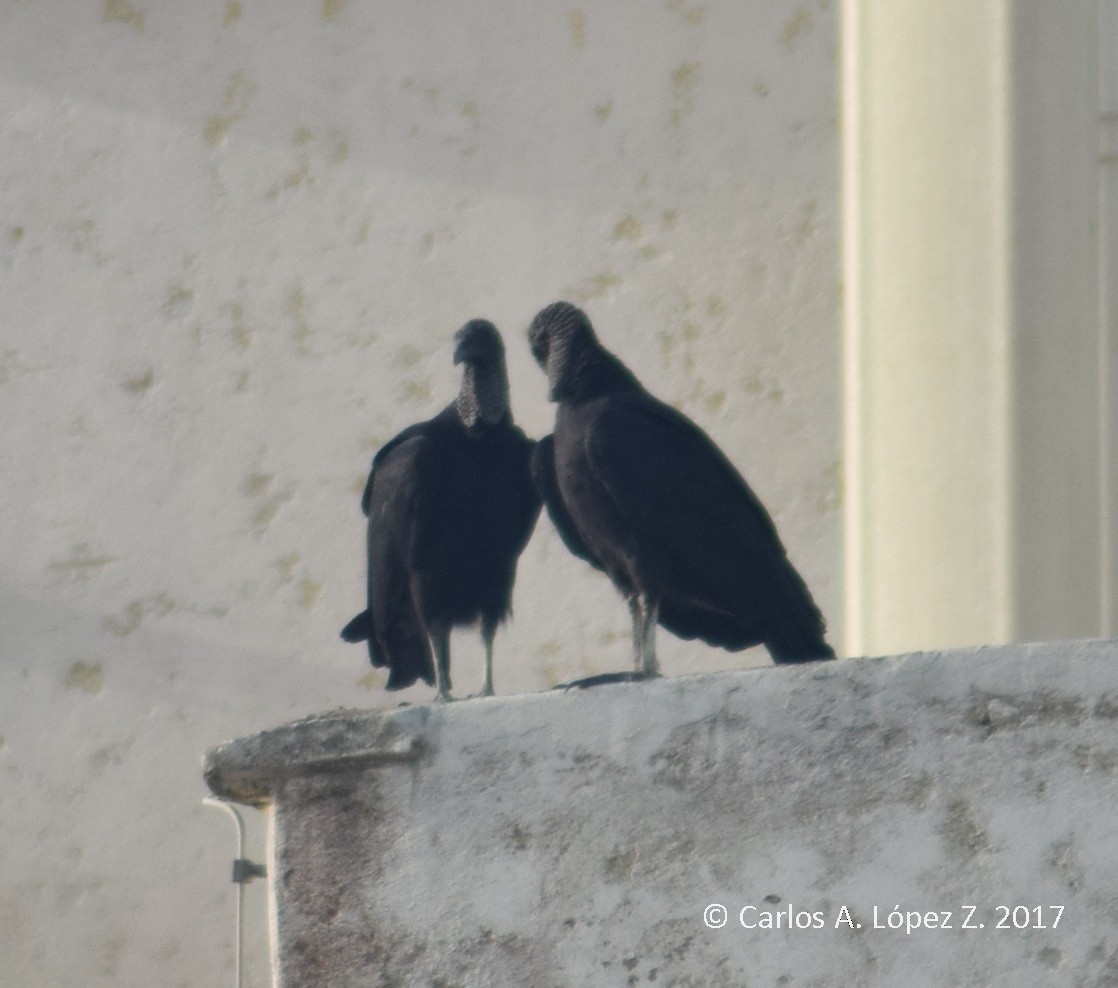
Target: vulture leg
635,614
646,612
488,633
440,642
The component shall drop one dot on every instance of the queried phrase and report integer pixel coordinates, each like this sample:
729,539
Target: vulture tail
788,645
359,629
797,634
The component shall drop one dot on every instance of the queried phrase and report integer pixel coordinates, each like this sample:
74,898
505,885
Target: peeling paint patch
407,356
685,80
372,680
693,16
418,390
299,177
138,385
809,221
576,23
267,512
827,494
258,486
714,401
240,331
627,228
370,442
112,952
179,301
88,677
799,25
83,562
123,12
428,90
286,565
86,240
297,307
122,625
109,755
596,286
310,593
235,102
760,381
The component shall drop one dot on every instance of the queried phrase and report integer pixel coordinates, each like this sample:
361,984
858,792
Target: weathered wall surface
235,239
579,838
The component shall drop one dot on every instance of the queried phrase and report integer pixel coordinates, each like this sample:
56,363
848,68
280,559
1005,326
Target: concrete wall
235,239
581,837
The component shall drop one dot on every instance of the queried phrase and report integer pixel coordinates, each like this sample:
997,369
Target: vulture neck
484,395
591,372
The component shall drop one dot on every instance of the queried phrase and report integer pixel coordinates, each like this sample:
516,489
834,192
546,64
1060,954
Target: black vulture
639,491
451,505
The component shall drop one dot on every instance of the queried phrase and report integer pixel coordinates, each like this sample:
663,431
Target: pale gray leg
440,642
635,614
488,633
648,612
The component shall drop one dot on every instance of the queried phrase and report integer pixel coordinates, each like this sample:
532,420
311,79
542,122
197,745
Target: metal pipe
243,872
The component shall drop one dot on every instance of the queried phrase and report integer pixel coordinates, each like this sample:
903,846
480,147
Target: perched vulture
451,505
639,491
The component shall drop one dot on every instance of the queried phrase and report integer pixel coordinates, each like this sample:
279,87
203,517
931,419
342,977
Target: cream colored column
926,172
976,474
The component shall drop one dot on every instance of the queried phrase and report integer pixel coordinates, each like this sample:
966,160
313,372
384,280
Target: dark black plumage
639,491
451,505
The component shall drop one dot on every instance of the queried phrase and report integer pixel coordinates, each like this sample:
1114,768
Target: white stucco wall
235,238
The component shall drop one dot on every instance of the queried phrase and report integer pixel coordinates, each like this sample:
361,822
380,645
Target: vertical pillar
926,356
977,363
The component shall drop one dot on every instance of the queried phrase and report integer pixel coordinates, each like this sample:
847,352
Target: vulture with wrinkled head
639,491
450,506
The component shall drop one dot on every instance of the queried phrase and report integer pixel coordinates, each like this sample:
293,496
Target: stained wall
235,240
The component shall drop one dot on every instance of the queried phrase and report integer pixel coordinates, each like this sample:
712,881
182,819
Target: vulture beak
470,347
467,349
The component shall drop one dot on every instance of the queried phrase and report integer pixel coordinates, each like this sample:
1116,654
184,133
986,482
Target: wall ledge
577,837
